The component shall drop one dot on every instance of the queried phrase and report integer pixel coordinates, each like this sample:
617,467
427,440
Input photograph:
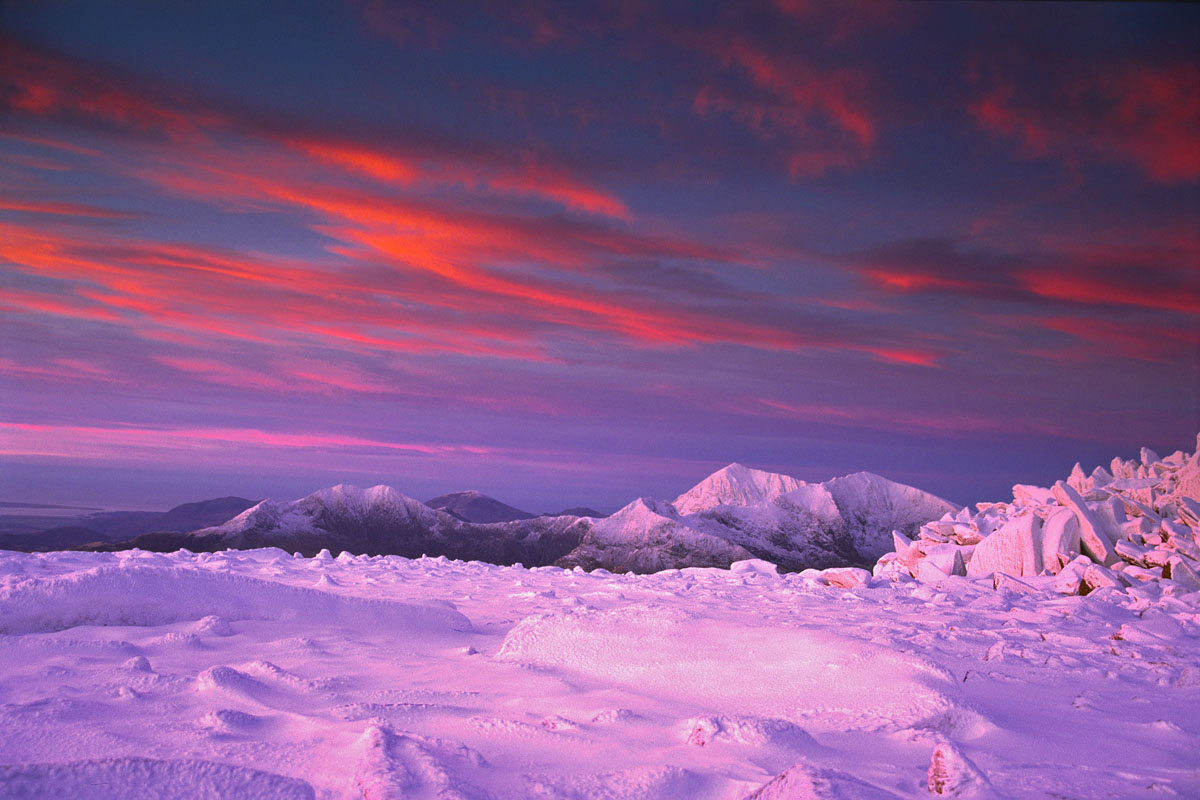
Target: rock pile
1134,522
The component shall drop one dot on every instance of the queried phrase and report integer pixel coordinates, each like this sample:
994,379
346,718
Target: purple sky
570,255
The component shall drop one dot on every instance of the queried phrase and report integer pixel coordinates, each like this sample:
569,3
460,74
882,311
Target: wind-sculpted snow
256,674
819,680
1137,521
129,593
147,779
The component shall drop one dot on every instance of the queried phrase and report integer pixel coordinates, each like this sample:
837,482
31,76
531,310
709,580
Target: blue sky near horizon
571,254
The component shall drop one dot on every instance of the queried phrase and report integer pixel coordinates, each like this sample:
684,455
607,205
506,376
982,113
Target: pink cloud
80,441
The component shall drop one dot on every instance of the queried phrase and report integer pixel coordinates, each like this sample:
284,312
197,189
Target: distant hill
67,537
580,511
472,506
190,516
115,526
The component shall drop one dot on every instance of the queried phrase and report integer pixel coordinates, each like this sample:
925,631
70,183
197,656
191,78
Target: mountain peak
735,485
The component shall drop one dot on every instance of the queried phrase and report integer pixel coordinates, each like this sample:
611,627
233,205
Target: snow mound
802,782
147,779
134,594
638,783
1133,524
812,678
395,766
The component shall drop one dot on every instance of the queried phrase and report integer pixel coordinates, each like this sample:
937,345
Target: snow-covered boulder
845,577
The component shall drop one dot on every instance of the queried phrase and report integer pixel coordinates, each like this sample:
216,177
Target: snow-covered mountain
648,536
472,506
738,510
735,485
873,507
381,520
734,514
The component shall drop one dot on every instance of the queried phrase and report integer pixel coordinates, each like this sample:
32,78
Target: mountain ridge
735,513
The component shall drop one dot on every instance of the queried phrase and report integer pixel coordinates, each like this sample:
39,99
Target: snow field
256,674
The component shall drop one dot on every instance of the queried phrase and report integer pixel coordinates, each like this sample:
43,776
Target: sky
572,254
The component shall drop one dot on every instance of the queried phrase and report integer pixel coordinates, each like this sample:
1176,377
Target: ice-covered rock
1026,495
1015,549
1060,539
1098,577
1095,537
928,572
1070,577
1179,570
1135,521
949,558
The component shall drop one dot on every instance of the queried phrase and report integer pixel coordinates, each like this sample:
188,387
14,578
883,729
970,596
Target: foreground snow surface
255,674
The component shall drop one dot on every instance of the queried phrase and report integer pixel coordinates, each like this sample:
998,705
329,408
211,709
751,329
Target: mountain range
734,514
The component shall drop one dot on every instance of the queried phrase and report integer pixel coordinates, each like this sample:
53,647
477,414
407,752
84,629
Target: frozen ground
256,674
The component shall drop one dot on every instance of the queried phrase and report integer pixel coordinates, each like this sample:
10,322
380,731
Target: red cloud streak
1142,115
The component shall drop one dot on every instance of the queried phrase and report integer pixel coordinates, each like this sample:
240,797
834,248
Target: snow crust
256,674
